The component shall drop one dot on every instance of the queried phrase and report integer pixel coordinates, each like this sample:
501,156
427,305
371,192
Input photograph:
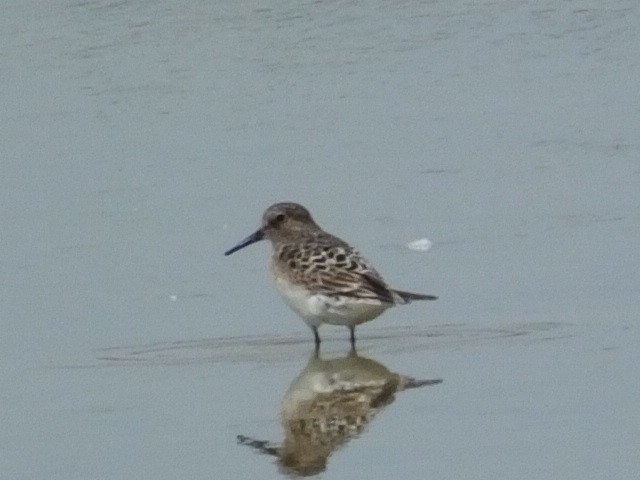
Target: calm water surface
140,140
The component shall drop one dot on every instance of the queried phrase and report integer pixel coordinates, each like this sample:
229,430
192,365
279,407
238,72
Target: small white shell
420,245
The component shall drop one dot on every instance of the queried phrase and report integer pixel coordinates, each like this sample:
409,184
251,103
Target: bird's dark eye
275,221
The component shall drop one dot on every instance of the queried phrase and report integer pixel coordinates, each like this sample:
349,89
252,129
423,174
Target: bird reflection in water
328,404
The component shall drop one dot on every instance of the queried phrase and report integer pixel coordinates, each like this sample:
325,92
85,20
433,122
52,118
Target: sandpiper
321,277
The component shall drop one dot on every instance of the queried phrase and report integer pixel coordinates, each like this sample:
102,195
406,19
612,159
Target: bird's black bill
253,238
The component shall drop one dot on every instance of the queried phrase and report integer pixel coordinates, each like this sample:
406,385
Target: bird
320,276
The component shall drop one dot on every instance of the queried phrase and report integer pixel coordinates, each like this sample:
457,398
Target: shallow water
142,139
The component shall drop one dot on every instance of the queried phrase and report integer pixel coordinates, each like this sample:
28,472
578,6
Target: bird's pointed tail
407,297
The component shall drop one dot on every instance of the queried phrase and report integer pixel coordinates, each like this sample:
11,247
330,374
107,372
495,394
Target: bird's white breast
317,309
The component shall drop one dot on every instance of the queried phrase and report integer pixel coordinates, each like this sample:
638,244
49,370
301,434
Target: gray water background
142,139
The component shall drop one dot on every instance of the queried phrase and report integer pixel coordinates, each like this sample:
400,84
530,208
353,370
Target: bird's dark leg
353,337
316,337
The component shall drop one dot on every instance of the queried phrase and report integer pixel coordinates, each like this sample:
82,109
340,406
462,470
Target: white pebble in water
420,245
